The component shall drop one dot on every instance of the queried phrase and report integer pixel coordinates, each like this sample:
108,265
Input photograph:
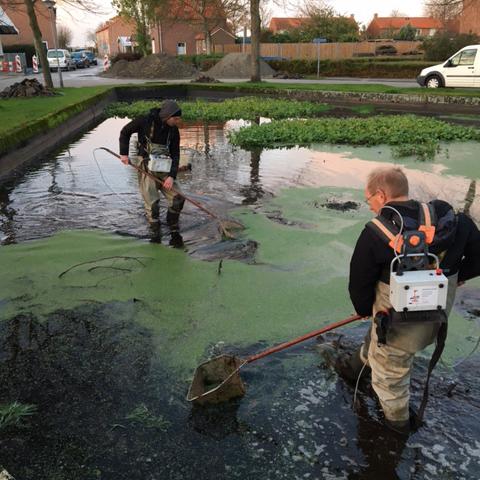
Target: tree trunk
255,36
37,40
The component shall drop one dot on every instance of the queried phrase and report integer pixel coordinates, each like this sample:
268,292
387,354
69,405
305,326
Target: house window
181,48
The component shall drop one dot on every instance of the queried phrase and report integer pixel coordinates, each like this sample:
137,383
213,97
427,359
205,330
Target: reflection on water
77,189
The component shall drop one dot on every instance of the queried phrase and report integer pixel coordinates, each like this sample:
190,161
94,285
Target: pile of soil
152,66
238,65
30,87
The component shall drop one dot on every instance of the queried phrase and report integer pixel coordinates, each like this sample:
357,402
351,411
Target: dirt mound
30,87
238,65
152,66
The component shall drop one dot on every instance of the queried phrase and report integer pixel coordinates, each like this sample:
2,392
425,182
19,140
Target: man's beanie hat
169,109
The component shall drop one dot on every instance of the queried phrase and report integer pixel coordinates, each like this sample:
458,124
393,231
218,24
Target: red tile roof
279,24
399,22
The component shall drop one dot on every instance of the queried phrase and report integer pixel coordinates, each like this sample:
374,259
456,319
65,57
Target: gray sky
80,22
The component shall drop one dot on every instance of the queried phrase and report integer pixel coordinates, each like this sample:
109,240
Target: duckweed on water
247,108
388,129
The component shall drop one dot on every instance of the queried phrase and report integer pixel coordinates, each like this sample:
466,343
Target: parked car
60,58
461,70
80,59
91,57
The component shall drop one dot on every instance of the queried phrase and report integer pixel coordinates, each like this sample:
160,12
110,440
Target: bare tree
255,29
445,10
64,37
92,37
209,14
29,7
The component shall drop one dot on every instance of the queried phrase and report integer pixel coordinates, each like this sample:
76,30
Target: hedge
368,68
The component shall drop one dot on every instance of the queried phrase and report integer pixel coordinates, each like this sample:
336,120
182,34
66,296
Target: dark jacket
161,131
372,256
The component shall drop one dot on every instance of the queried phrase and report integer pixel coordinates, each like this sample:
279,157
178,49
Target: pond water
101,327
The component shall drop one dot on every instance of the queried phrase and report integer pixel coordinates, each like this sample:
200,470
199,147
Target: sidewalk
89,78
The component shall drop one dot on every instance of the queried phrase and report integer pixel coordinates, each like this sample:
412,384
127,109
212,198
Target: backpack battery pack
419,290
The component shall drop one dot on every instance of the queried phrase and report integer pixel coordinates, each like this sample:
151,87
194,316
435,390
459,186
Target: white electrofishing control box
419,290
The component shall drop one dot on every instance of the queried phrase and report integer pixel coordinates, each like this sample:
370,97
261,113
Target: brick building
469,19
178,34
17,13
115,36
387,27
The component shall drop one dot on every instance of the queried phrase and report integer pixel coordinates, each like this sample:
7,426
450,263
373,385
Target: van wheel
433,81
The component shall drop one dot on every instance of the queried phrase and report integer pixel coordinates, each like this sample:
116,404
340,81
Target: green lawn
357,88
26,117
22,112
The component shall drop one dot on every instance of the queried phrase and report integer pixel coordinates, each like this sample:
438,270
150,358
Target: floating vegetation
422,151
383,129
246,108
14,414
410,135
143,416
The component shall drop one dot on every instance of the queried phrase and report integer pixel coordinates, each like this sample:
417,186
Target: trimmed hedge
367,68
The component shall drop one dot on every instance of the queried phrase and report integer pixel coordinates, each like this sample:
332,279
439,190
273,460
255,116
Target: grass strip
246,108
27,117
377,130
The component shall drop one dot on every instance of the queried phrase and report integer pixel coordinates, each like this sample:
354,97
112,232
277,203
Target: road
89,77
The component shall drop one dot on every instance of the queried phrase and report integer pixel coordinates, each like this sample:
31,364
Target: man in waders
395,337
159,154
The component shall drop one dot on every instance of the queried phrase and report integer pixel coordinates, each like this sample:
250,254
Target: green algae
298,283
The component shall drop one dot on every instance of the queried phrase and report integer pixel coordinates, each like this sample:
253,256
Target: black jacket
143,126
372,256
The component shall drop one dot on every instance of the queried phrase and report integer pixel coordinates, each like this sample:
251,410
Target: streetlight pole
50,4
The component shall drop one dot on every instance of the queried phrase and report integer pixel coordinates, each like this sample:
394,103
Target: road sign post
318,41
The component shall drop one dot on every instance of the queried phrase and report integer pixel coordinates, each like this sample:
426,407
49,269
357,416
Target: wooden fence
330,51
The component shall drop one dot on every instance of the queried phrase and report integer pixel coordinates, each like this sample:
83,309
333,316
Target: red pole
285,345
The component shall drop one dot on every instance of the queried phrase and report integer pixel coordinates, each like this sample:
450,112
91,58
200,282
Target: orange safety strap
427,228
393,239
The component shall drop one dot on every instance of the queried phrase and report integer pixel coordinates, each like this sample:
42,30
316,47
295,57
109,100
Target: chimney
375,15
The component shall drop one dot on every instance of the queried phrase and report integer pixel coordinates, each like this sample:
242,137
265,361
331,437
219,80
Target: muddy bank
108,408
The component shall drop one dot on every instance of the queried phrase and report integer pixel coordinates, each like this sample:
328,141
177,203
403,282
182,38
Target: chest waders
160,163
418,288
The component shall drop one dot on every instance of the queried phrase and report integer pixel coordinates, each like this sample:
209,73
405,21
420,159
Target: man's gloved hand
168,183
124,159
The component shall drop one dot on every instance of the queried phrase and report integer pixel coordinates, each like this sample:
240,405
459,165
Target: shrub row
202,62
368,68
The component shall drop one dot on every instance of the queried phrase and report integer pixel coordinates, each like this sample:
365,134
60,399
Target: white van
460,70
64,59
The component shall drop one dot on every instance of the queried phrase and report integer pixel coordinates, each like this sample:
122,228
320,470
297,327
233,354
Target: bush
385,50
27,49
129,57
202,62
443,44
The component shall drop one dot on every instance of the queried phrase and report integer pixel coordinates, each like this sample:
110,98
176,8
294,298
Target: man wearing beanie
159,154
